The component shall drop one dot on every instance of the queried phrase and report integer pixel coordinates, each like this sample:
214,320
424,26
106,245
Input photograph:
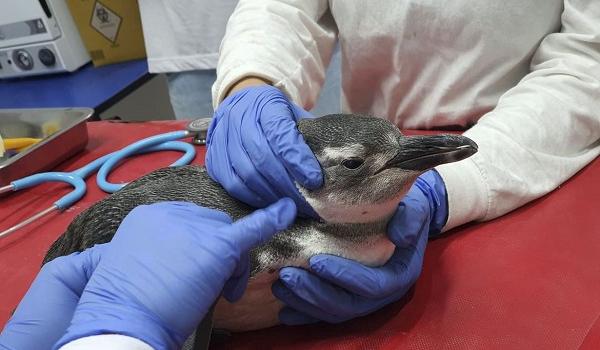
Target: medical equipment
63,133
104,165
39,37
200,126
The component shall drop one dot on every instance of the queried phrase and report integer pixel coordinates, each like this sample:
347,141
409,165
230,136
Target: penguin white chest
258,308
374,250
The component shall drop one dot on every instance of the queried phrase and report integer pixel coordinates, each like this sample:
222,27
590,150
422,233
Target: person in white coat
522,77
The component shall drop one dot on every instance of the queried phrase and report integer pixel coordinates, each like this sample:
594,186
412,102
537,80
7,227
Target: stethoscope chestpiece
199,127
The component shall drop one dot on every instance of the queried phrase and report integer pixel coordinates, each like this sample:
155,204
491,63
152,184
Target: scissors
105,164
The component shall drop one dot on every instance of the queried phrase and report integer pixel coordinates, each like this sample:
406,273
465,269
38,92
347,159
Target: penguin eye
352,163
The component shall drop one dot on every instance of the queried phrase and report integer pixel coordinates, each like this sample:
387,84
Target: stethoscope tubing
104,165
163,142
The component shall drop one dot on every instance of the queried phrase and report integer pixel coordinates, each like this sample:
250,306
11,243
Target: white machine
38,37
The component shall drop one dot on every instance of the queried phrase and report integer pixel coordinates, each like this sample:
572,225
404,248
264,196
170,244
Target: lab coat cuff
467,192
107,341
235,73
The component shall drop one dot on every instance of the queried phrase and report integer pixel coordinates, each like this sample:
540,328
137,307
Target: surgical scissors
104,165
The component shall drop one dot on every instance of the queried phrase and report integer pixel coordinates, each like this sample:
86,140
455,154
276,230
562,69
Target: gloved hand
255,151
338,289
45,311
166,266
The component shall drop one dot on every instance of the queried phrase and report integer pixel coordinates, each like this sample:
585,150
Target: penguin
368,165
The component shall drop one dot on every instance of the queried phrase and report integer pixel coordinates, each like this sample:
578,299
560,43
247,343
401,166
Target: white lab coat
182,35
526,73
107,342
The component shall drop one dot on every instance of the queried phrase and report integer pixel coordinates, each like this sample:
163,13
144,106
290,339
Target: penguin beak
421,153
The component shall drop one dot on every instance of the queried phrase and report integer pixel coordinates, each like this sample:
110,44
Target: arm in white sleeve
542,131
287,42
107,342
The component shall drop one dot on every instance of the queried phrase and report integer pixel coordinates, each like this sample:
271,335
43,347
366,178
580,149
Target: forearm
542,131
285,43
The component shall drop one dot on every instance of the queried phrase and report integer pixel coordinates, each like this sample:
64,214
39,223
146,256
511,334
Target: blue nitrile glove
255,151
45,311
165,267
339,289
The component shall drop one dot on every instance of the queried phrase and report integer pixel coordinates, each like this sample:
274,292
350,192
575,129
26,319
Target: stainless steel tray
63,132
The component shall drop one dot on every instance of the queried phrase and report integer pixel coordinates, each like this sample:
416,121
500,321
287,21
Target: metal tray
63,132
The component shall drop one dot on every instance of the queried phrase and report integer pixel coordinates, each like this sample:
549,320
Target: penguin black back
99,223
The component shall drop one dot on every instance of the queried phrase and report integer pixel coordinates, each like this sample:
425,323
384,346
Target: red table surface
528,280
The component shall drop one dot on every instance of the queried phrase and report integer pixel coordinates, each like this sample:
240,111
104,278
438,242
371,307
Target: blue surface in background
86,87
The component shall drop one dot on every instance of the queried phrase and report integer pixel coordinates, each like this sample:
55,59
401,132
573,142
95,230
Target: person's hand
338,289
255,151
165,267
45,311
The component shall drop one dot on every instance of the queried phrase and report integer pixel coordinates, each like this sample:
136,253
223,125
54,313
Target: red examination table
529,280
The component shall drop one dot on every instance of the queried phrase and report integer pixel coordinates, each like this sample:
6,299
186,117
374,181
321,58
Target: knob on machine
47,57
23,59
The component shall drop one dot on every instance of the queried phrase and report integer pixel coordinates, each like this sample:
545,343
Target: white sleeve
288,42
542,131
107,342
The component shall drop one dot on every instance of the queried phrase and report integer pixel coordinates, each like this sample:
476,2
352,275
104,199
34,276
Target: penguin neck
333,212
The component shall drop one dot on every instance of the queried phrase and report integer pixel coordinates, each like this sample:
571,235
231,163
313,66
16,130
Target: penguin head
368,164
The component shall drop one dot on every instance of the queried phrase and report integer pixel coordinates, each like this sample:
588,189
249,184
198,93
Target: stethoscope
105,164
